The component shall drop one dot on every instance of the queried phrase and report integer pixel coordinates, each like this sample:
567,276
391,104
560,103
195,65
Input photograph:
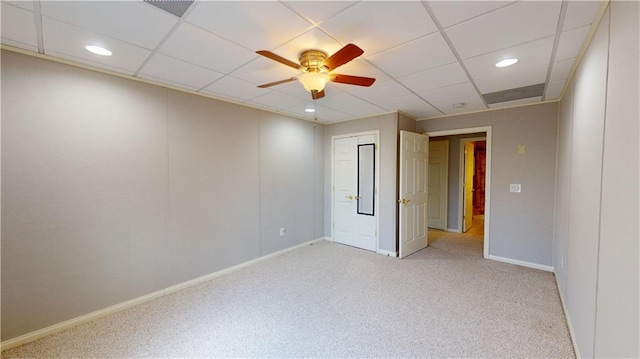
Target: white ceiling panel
411,104
323,114
168,69
435,78
27,5
203,48
137,23
376,92
580,13
449,93
531,69
421,54
379,25
318,11
66,41
453,12
344,102
277,100
471,103
258,25
263,70
570,43
230,87
506,27
561,70
523,101
18,28
294,89
554,89
312,39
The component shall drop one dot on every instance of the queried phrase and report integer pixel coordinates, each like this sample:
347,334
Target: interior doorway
478,208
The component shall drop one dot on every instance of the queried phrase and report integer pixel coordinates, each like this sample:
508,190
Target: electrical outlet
516,188
283,231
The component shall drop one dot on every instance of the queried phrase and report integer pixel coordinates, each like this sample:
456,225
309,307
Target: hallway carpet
331,300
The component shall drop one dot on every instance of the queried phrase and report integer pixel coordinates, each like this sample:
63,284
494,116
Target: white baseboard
328,239
454,230
387,253
568,319
40,333
521,263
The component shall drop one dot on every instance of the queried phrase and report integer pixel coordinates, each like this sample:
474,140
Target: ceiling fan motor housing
313,60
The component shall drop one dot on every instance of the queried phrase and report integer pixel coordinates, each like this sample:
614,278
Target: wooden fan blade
278,58
315,94
353,80
264,86
344,55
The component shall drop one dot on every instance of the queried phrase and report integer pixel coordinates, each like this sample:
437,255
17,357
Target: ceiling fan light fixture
314,81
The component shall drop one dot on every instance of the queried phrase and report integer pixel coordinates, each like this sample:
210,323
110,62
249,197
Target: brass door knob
403,201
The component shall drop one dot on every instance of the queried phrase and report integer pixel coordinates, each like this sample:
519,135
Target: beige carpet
330,300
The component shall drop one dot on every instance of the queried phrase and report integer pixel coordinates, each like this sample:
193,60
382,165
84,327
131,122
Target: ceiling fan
316,69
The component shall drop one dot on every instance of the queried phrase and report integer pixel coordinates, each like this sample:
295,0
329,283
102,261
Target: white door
438,183
352,224
469,171
414,160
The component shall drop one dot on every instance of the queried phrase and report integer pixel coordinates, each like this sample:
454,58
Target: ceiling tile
580,13
137,23
178,72
322,114
379,25
435,78
236,89
378,91
411,104
561,70
554,89
344,102
312,39
531,69
516,102
278,101
27,5
471,103
263,70
506,27
18,28
570,43
424,53
257,25
449,93
318,11
203,48
452,12
66,41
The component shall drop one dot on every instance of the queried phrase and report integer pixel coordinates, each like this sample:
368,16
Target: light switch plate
515,187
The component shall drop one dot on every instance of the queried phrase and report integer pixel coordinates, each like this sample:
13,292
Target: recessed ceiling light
506,62
98,50
310,110
458,105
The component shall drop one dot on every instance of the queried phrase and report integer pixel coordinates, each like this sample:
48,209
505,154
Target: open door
469,170
412,202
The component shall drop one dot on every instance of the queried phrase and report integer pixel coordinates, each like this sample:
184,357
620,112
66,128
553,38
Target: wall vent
514,94
175,7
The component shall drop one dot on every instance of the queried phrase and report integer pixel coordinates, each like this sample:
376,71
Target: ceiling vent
514,94
175,7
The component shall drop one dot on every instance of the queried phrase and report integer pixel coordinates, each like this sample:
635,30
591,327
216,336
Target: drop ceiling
426,56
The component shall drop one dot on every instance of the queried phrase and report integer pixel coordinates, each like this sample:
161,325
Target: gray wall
521,224
597,216
388,126
113,189
453,179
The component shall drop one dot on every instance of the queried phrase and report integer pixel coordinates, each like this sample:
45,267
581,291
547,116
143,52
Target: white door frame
377,179
487,191
461,179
